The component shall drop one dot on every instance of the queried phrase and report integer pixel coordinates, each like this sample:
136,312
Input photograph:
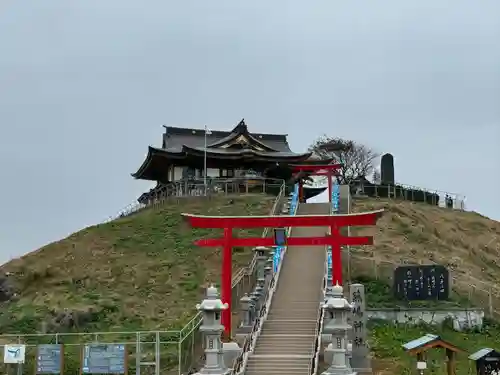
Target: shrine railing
411,193
160,195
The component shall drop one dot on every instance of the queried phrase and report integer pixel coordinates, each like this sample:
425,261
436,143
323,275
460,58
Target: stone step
256,361
288,336
284,329
277,372
271,349
303,348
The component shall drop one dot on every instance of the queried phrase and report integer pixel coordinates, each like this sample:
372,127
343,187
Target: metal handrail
319,326
251,339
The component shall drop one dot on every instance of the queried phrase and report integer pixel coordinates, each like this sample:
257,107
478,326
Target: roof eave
141,172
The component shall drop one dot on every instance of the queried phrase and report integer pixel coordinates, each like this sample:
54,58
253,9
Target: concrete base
335,369
361,361
231,351
363,371
214,371
339,371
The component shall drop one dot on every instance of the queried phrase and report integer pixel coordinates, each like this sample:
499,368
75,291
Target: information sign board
421,282
49,359
104,359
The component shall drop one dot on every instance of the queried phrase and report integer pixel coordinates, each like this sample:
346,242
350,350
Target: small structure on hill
420,346
487,361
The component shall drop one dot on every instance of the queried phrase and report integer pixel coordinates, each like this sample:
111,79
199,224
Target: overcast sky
86,85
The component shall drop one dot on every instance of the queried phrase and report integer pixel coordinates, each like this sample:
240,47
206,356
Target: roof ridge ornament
241,127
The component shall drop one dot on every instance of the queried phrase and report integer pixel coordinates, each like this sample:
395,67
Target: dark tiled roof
228,152
175,137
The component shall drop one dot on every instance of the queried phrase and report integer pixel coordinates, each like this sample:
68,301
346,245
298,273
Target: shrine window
227,172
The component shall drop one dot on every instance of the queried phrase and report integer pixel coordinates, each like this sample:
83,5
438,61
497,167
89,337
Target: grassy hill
466,242
140,272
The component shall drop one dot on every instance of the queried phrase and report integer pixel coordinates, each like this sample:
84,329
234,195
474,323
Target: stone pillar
270,261
268,275
336,352
262,254
259,296
255,296
246,318
212,329
253,307
360,352
329,286
349,353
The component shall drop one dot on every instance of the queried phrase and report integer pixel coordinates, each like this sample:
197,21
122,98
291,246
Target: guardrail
411,193
167,193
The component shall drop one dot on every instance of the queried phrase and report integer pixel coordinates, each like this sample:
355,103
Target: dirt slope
140,272
466,242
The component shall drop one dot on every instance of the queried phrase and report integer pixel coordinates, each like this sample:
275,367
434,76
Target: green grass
386,340
140,272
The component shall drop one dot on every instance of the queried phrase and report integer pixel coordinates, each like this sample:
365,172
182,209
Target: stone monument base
231,351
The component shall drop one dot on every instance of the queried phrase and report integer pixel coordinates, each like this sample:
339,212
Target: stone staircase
288,336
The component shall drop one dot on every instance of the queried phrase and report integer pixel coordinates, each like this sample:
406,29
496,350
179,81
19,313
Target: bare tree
357,160
376,176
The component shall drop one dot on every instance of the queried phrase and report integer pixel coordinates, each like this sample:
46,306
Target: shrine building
228,154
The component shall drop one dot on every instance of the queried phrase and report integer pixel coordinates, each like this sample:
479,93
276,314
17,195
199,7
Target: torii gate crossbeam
334,239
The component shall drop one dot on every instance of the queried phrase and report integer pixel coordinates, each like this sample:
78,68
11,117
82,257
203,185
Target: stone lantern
337,308
259,296
211,327
330,292
262,254
246,314
268,271
253,307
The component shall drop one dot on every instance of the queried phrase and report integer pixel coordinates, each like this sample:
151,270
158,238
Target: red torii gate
327,170
334,239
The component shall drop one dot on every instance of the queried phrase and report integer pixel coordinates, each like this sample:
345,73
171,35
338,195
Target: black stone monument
421,283
387,169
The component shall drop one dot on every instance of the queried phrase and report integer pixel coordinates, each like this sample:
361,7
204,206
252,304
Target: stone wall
462,318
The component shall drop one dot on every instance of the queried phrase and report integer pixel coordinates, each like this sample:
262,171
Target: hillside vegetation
466,242
412,233
137,273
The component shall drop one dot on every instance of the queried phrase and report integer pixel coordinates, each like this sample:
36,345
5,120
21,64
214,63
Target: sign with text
104,359
419,282
14,353
358,334
49,359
